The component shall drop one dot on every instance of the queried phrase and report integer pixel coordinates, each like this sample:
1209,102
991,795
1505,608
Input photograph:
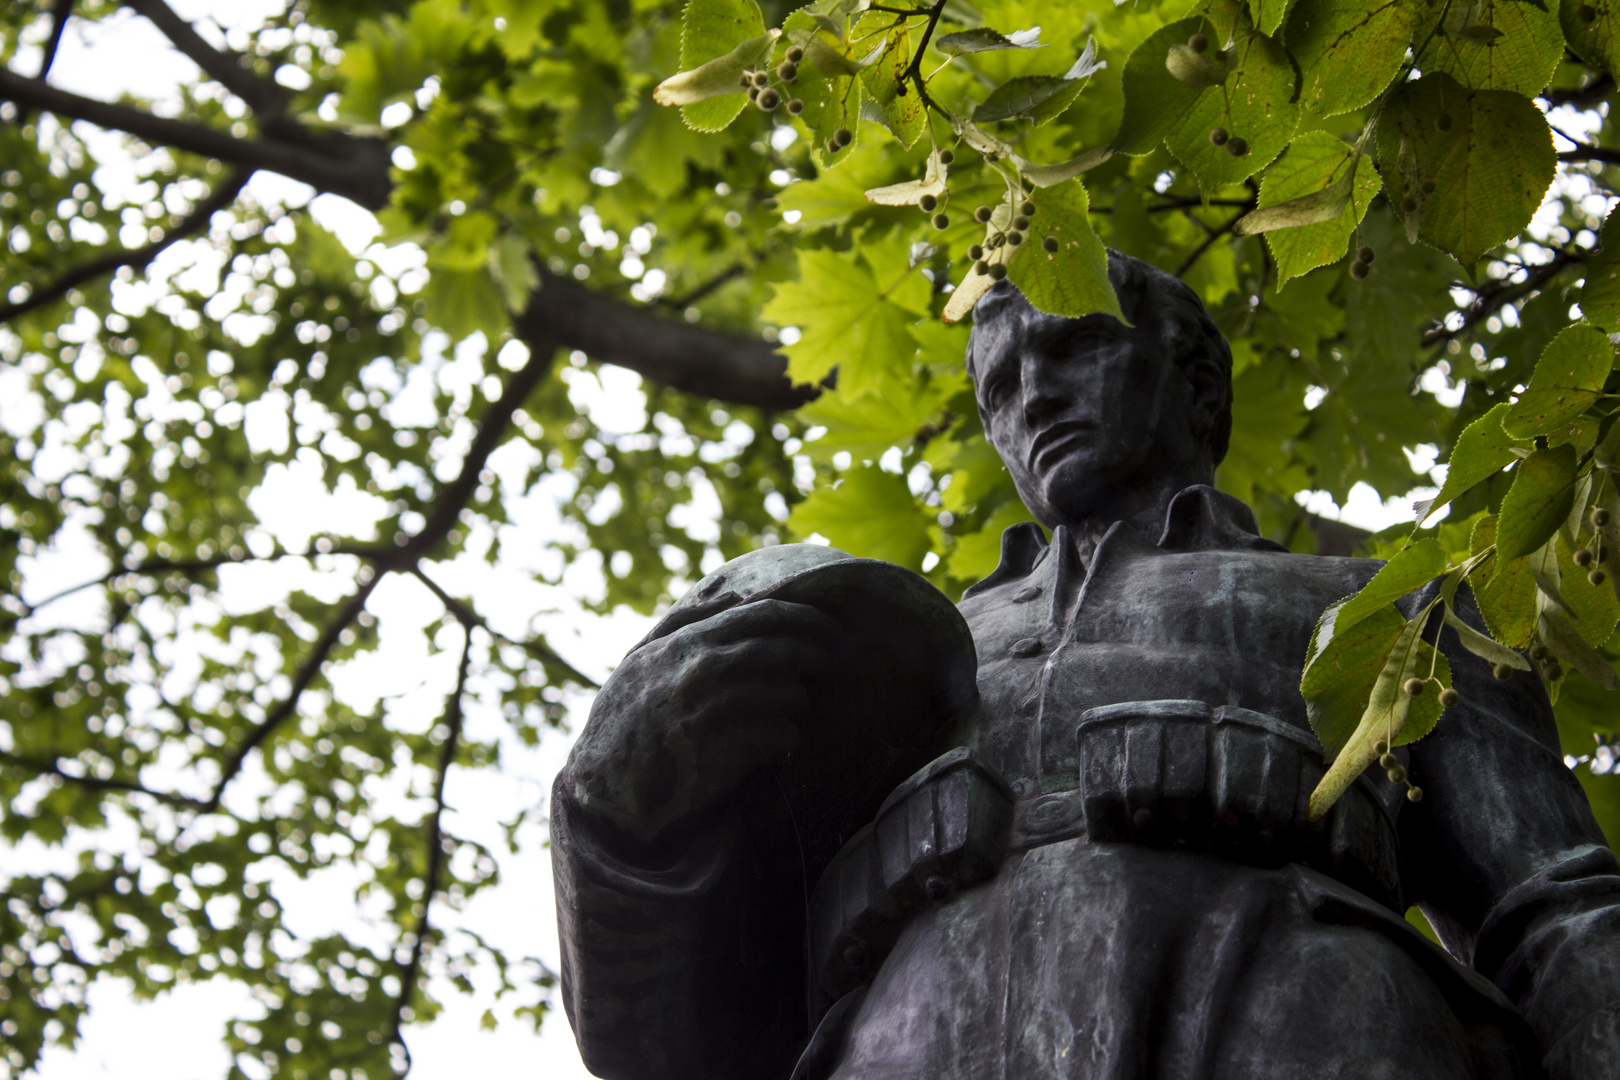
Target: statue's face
1081,410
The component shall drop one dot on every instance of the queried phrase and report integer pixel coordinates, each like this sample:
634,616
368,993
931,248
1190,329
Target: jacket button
1026,594
1026,646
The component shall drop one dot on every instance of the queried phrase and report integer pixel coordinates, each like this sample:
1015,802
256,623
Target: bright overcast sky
179,1036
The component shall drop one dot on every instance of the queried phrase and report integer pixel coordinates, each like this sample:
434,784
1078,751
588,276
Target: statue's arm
1505,858
680,917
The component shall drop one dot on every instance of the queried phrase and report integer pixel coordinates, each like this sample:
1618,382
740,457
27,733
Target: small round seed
1597,576
946,157
1414,686
998,271
1198,43
1397,775
982,213
1449,697
975,251
981,267
928,202
1237,146
942,221
1218,136
1365,254
795,54
1414,794
1359,269
1504,672
1442,122
1050,245
795,106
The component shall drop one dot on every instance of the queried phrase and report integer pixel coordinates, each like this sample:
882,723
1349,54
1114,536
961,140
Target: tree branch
96,783
709,363
305,675
412,971
465,615
1489,301
1209,241
354,168
60,13
223,196
1583,152
1581,96
261,95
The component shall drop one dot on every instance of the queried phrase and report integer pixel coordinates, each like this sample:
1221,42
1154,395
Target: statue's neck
1141,509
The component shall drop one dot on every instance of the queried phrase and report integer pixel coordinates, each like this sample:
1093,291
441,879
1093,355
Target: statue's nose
1043,394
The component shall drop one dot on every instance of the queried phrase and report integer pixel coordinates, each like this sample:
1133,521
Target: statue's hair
1188,332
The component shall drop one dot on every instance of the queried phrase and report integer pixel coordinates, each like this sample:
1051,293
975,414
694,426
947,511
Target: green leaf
892,413
976,554
1154,98
714,32
832,197
1558,630
1600,299
1269,14
870,514
1256,104
1596,41
1484,646
1519,53
1596,608
719,77
983,39
1568,379
1340,669
1538,502
829,90
1489,168
1482,450
848,319
1037,98
1506,596
1384,719
888,100
1308,233
1072,281
511,264
1349,50
1411,569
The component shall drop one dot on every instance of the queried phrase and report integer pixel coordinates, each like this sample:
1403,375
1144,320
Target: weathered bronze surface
822,824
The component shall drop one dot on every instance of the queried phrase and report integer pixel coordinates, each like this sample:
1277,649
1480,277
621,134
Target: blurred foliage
184,748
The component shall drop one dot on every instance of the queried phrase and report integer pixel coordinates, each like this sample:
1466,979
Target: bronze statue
819,825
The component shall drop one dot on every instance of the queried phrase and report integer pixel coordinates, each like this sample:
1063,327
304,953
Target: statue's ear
1211,393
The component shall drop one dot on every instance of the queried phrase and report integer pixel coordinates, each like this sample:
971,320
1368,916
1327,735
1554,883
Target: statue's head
1086,413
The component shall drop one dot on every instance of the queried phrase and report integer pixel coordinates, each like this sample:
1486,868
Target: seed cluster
1236,145
1551,669
1362,263
1396,771
1015,233
767,93
1594,555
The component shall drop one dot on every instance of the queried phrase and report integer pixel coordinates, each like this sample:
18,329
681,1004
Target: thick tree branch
223,195
709,363
261,95
1582,96
411,974
355,168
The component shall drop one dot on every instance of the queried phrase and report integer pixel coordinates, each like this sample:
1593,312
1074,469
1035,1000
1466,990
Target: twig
1209,242
96,783
60,13
1581,96
192,566
1584,152
1488,301
263,96
412,971
465,615
913,72
305,675
730,273
223,196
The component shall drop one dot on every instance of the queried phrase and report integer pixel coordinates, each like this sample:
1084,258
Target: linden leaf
869,513
713,33
1255,104
1471,165
1481,451
1073,279
1311,200
1349,50
1567,380
1538,502
1592,31
1600,299
1509,45
1411,568
1154,98
1506,596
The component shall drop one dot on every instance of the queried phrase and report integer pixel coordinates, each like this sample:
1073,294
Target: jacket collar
1199,518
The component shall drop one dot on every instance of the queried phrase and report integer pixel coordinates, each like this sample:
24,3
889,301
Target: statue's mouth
1055,440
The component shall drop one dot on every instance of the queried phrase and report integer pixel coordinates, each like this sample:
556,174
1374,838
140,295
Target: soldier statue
821,824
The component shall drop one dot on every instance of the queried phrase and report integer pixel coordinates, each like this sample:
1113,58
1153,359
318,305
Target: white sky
178,1036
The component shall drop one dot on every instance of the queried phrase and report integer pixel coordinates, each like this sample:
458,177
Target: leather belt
1170,773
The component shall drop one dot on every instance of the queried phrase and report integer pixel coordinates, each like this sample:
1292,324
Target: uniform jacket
1117,960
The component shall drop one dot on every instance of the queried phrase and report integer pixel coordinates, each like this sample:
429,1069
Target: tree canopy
778,219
